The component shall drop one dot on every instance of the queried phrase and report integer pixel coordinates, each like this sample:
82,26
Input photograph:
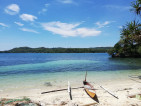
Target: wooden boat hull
89,89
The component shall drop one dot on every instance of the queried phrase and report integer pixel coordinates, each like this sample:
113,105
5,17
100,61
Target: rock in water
47,84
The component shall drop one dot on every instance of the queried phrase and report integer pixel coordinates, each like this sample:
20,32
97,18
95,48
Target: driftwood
135,80
135,76
60,90
90,104
133,95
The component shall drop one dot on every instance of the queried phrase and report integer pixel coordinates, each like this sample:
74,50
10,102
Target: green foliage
136,7
57,50
15,100
8,101
111,51
130,41
139,50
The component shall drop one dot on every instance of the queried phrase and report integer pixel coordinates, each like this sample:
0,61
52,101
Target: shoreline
121,88
28,75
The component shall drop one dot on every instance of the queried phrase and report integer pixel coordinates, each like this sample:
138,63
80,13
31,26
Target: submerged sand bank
121,88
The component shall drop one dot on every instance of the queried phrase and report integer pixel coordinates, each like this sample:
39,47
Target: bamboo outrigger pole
69,90
60,90
85,75
103,88
108,92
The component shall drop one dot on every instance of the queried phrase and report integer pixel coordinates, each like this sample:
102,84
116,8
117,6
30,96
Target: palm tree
131,32
130,42
136,7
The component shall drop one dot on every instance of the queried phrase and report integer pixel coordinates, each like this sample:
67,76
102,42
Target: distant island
57,50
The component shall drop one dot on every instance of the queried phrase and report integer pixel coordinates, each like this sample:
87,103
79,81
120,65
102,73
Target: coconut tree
136,7
130,42
130,35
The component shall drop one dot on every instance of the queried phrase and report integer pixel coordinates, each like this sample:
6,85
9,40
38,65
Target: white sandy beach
121,88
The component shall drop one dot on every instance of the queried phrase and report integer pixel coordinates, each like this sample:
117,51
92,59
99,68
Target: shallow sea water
33,70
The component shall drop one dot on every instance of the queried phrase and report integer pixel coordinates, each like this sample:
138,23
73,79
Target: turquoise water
29,70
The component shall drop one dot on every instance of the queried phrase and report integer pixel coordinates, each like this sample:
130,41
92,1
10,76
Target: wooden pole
85,75
60,90
69,90
109,92
90,104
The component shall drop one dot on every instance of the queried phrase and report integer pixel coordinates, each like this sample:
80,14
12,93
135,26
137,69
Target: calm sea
18,70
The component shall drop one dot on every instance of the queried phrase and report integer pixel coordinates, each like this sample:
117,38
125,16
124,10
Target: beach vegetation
139,50
129,44
11,102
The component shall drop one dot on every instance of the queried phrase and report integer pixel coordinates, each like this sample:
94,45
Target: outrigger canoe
89,89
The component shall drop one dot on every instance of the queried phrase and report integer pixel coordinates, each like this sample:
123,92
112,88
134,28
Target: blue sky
62,23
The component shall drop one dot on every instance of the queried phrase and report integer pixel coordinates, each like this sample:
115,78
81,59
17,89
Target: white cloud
28,17
46,5
12,9
18,23
66,1
66,30
100,25
4,25
28,30
44,9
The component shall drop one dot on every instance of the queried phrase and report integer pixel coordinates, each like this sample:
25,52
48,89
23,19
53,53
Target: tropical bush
130,41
